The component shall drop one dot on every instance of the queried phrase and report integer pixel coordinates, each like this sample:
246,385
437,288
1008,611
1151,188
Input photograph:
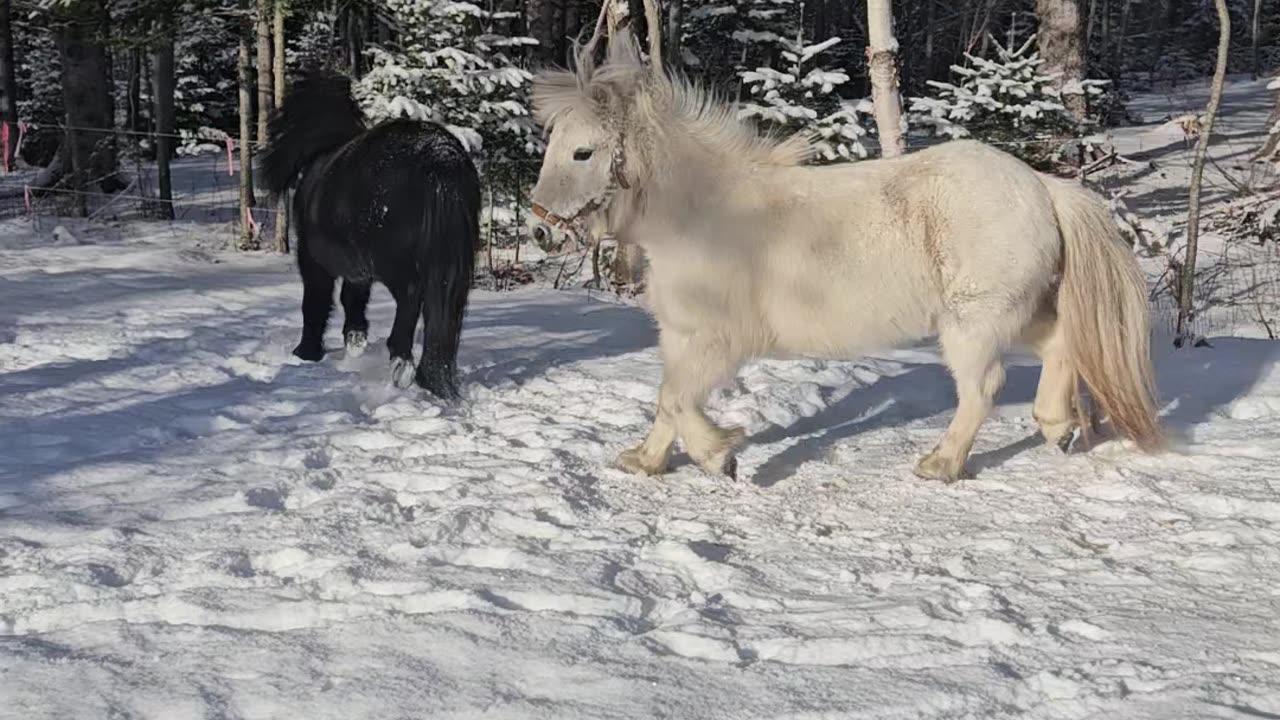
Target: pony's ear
554,92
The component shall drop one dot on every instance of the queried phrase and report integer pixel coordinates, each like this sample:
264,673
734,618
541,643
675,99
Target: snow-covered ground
193,524
1239,281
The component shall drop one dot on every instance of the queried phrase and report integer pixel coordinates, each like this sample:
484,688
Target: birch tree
1186,310
266,81
278,71
1255,35
882,67
244,69
1061,39
1271,145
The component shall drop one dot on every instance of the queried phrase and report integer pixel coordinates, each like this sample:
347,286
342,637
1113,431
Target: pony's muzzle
550,239
542,235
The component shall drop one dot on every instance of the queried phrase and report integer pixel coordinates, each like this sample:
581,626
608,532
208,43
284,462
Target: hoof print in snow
107,576
266,498
241,567
710,551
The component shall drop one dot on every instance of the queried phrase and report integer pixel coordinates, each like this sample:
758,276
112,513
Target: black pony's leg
400,342
317,302
355,326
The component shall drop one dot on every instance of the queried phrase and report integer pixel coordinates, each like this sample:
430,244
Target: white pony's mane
623,93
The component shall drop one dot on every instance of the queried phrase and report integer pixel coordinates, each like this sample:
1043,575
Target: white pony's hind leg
1053,409
974,356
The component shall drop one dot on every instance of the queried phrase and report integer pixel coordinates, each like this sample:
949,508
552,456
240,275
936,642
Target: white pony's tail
1102,305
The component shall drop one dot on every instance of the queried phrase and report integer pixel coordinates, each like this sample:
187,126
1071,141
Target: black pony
398,203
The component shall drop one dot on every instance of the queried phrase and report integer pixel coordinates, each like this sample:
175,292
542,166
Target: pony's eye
583,153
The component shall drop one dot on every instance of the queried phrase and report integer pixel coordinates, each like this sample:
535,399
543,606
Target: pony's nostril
540,235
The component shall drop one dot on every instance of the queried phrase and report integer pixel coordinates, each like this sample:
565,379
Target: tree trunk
266,81
8,80
1271,145
102,39
929,31
1168,19
1088,25
133,91
628,258
1124,28
1061,39
352,40
146,82
538,22
1255,34
86,91
882,67
675,26
244,68
163,76
277,36
1186,308
1106,27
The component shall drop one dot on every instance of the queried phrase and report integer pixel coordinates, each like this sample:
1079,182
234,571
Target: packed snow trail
194,524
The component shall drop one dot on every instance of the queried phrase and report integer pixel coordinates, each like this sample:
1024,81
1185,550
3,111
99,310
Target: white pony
752,254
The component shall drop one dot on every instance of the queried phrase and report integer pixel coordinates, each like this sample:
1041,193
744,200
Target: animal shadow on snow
519,340
923,391
1193,385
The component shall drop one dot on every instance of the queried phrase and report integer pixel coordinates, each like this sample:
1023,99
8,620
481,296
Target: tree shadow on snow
1197,384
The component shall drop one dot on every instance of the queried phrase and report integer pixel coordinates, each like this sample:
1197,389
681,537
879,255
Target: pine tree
205,68
802,97
453,66
1006,99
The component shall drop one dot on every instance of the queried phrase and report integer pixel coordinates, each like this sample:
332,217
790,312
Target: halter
571,224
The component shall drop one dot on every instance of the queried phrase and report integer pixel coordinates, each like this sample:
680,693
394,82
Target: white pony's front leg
692,366
651,456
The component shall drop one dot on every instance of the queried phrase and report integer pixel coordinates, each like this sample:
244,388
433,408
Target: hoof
1065,442
356,341
938,467
633,461
722,463
731,467
1060,434
402,372
442,386
309,353
725,460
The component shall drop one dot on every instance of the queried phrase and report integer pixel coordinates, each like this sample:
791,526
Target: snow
195,524
1240,276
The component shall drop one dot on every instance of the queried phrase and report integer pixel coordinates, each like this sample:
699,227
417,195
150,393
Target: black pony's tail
451,230
318,115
